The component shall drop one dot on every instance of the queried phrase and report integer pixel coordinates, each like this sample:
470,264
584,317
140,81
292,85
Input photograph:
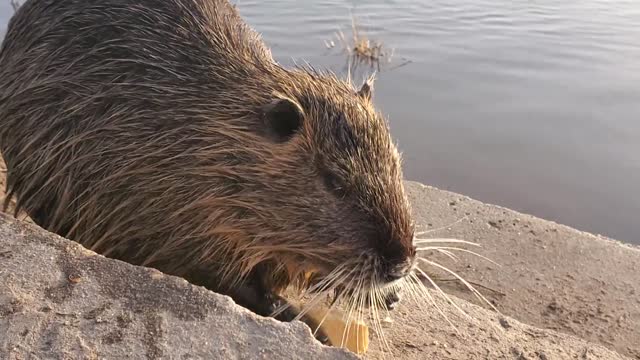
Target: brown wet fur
162,133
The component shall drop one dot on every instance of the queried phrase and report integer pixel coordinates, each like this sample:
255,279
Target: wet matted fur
163,133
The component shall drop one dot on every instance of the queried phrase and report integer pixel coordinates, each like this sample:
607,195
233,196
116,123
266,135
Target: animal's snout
398,255
399,270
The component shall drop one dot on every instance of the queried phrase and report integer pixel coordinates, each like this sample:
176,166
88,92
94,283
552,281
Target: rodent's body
162,133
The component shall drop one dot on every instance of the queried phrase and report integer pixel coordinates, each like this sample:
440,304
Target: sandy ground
581,287
550,276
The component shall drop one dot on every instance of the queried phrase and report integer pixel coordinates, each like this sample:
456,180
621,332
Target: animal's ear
283,118
366,90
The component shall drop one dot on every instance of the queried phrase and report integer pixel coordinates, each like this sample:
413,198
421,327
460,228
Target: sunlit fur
135,127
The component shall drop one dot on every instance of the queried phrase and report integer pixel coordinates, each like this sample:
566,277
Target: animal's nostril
397,272
393,276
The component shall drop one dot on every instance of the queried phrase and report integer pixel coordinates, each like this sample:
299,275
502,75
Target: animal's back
178,44
95,94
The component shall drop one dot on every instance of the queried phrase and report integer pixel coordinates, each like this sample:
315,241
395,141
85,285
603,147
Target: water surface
529,104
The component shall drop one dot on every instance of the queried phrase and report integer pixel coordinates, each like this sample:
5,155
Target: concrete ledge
572,284
59,300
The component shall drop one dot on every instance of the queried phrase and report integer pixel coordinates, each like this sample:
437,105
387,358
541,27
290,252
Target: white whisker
331,306
318,297
465,282
362,296
420,241
350,307
379,303
450,248
433,283
418,287
442,227
448,254
325,286
336,280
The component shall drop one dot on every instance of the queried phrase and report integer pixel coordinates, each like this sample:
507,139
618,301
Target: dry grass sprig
15,4
361,50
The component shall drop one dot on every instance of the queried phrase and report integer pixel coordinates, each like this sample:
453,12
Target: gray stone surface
544,314
61,301
550,276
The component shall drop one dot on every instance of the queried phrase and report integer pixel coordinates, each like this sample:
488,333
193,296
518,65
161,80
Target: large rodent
163,133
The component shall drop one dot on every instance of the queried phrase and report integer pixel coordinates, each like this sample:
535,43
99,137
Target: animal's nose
398,271
393,276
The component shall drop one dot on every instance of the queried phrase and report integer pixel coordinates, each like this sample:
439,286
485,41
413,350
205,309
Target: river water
529,104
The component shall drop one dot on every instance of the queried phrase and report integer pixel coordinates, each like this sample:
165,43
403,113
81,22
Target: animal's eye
283,119
333,183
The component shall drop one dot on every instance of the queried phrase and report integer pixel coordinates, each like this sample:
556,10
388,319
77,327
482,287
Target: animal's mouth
367,281
371,288
392,283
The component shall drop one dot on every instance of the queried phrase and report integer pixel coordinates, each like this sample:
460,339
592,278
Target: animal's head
331,185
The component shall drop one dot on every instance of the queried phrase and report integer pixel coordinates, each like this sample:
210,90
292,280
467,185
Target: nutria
164,134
